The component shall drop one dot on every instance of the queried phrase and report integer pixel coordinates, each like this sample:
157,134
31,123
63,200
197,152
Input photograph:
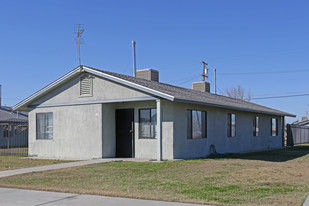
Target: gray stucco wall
88,131
109,128
144,148
102,90
77,133
217,132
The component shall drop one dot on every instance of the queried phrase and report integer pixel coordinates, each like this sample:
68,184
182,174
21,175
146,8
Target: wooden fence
297,135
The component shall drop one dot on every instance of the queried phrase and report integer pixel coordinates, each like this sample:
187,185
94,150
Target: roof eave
23,105
234,108
128,83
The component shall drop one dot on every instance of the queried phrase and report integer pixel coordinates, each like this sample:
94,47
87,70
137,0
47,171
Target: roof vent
86,85
201,86
149,74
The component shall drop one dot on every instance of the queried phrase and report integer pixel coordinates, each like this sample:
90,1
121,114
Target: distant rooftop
7,114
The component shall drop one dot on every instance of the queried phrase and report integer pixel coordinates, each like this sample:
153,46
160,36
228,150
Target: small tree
238,93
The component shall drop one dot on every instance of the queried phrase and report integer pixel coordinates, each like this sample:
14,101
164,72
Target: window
196,124
85,85
44,126
231,125
274,127
147,123
256,126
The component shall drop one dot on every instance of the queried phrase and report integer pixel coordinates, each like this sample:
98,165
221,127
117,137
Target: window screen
274,127
147,123
256,126
44,124
196,124
231,125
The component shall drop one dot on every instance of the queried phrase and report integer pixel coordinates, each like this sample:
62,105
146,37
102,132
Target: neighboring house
89,113
304,122
298,132
13,128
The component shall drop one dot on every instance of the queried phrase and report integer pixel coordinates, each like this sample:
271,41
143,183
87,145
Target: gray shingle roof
182,94
7,114
302,123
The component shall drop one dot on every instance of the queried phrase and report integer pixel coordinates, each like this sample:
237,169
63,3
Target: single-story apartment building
90,113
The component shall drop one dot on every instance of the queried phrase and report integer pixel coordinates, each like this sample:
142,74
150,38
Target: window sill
196,138
43,139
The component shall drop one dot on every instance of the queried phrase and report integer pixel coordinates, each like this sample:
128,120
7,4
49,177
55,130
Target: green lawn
278,177
16,162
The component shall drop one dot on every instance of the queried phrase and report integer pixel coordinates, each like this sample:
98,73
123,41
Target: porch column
159,130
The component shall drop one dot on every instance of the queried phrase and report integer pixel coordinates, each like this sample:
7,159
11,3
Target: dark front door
124,133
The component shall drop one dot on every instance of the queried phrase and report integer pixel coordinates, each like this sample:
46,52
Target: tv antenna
79,32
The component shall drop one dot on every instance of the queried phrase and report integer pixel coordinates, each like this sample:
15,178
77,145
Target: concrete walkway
306,203
17,197
7,173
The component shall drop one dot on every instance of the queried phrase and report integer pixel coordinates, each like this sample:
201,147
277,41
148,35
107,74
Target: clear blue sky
38,46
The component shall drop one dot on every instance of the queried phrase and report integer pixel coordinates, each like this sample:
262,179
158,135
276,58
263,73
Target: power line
222,92
189,80
295,92
11,98
276,97
274,72
185,78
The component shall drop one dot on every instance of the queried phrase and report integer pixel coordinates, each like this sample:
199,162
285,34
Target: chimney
201,86
0,94
149,74
304,118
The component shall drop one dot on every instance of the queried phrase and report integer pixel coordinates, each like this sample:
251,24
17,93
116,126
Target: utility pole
205,70
79,33
215,80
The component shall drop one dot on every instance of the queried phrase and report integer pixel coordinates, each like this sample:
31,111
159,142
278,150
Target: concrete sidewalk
7,173
306,203
17,197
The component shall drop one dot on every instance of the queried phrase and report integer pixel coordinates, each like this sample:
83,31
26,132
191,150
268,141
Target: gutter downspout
159,130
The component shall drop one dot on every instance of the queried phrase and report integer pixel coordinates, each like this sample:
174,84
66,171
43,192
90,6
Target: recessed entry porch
131,129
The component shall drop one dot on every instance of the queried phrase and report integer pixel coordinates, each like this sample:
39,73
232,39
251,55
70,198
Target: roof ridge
188,91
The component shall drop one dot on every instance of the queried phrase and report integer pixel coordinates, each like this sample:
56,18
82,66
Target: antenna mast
79,33
134,58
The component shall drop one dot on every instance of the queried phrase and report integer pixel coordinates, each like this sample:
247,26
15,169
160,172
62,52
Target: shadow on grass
277,155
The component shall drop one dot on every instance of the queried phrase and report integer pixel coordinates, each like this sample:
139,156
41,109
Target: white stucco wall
77,133
217,132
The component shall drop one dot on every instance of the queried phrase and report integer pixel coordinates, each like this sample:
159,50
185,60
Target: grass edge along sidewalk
8,162
277,177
